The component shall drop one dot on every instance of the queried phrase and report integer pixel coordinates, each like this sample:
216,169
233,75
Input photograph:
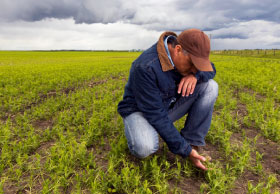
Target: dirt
12,187
189,185
23,187
94,83
268,148
100,153
236,139
241,184
241,110
270,151
44,147
257,95
252,92
42,124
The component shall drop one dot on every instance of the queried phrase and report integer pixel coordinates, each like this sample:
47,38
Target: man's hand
187,85
196,159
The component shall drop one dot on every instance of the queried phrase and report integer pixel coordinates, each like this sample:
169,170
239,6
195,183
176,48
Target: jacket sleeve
149,102
204,76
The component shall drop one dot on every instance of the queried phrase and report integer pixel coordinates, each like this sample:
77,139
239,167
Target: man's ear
177,49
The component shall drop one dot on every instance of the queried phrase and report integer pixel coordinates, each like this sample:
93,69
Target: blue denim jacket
152,90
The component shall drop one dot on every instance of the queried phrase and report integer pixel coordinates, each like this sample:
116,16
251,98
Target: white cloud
254,34
153,14
122,24
65,34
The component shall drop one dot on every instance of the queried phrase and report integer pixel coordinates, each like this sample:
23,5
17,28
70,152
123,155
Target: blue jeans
142,138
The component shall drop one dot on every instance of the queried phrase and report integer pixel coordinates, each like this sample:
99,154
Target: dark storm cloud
215,13
32,10
219,13
234,10
256,10
229,35
83,11
175,15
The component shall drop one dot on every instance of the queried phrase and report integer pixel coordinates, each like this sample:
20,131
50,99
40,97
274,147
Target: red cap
197,44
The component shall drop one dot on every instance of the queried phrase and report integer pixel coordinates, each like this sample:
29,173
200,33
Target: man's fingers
185,87
189,89
180,86
199,157
193,87
200,165
196,162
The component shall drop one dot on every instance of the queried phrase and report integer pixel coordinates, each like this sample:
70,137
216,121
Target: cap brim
201,64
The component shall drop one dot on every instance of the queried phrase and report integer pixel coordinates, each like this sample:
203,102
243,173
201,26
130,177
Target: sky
134,24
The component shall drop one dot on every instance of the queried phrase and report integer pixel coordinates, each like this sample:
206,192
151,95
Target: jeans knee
144,150
213,88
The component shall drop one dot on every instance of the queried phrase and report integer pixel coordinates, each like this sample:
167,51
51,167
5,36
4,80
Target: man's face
182,61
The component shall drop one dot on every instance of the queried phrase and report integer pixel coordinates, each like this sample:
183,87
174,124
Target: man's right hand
197,159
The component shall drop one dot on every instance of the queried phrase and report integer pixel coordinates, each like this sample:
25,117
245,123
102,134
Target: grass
60,131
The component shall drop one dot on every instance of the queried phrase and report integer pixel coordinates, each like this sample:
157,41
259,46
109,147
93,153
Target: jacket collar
162,55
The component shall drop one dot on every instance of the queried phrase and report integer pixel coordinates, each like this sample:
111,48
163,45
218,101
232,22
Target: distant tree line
246,52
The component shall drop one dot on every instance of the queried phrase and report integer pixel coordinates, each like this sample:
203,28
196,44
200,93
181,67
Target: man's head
190,51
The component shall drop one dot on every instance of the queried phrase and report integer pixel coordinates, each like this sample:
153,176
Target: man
167,81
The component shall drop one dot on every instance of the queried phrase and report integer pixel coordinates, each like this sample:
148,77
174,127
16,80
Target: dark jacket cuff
187,151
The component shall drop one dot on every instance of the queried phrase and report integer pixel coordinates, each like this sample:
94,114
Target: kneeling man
171,79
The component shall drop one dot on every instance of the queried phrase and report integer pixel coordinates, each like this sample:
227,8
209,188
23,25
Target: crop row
30,76
260,75
256,83
77,126
74,142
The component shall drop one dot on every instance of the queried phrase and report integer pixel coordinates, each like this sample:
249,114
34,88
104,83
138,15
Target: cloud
83,11
65,34
155,14
122,24
247,35
33,10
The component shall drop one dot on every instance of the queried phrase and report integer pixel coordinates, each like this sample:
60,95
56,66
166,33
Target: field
60,131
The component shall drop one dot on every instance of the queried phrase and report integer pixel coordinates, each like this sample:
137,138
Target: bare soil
269,150
241,183
42,124
12,187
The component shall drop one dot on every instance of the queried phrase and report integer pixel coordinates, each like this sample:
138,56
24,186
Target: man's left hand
187,85
197,159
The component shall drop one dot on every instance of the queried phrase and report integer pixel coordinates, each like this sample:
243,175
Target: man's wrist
188,150
196,75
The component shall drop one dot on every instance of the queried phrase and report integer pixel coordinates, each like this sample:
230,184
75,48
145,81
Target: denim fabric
142,137
199,107
152,91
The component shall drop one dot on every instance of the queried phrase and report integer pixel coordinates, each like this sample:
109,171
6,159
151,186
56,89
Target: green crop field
60,131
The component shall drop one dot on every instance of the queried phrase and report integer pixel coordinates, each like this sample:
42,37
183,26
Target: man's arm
150,103
204,76
188,83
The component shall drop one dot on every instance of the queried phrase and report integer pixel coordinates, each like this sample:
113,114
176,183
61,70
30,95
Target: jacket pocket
169,97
